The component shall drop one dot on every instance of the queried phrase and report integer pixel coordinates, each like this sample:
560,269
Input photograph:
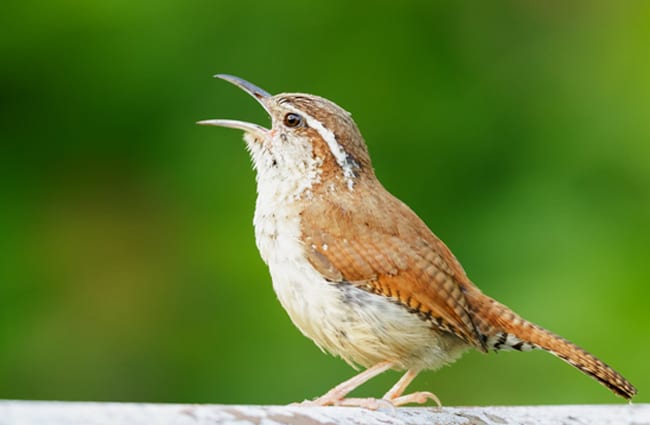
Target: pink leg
398,389
394,395
336,395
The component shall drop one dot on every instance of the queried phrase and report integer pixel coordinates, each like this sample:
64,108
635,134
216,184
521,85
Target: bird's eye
292,120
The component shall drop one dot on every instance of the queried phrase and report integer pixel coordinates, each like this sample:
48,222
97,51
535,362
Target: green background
518,130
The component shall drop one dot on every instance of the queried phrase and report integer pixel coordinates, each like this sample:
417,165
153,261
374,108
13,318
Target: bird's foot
419,397
366,403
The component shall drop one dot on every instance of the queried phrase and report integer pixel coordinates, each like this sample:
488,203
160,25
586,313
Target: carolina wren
357,270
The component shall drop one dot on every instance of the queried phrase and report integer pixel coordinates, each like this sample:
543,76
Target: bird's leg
336,396
394,395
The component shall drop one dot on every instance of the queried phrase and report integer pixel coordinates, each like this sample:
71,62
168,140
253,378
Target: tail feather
504,330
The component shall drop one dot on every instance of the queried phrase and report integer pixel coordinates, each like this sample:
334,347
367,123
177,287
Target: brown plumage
386,249
357,270
400,258
493,318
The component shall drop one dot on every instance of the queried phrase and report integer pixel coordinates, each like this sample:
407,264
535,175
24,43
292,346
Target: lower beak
248,127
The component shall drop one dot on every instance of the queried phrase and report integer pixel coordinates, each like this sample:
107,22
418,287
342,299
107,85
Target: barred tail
505,330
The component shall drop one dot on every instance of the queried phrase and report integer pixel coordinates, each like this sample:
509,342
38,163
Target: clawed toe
367,403
419,397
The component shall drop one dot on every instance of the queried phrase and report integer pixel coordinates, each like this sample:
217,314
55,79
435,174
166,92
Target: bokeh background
520,131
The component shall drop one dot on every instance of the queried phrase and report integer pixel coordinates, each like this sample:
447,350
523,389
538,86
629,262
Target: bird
357,271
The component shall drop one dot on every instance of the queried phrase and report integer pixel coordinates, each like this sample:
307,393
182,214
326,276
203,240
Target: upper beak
260,95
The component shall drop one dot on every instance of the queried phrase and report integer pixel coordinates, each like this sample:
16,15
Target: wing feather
386,249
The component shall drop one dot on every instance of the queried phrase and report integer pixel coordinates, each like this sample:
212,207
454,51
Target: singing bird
357,270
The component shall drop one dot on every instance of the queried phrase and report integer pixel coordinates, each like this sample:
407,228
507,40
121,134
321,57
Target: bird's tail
505,330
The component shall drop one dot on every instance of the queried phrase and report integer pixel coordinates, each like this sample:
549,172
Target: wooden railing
87,413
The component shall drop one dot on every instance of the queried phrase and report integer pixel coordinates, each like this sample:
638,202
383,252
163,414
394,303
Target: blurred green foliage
520,131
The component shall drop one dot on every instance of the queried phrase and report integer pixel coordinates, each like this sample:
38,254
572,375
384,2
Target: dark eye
292,120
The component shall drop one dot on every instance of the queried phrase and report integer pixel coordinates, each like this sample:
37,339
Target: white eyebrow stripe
344,161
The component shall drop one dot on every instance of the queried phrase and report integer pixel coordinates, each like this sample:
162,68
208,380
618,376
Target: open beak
257,93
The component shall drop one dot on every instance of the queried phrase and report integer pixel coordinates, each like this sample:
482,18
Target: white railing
87,413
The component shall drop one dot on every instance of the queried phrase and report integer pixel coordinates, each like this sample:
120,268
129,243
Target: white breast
360,327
